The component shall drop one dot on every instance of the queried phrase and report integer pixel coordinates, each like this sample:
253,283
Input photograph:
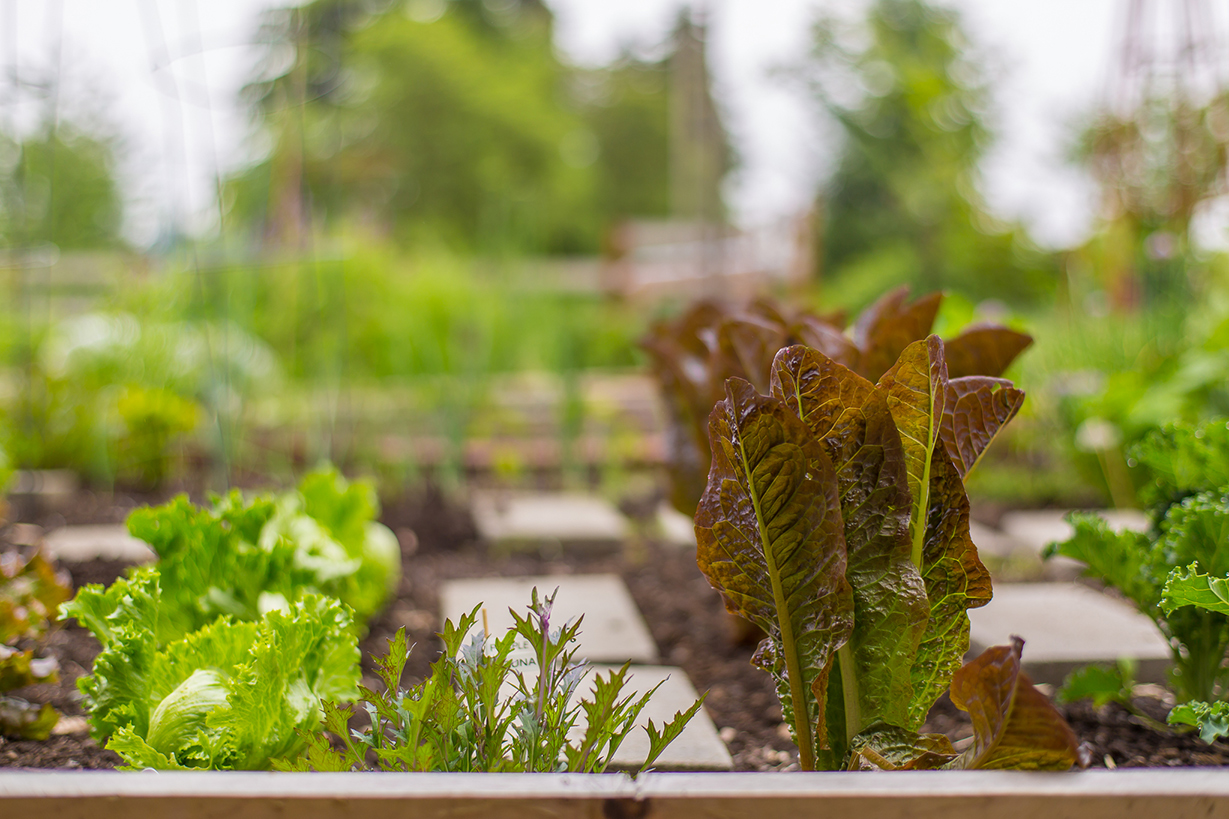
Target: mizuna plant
693,355
493,704
835,518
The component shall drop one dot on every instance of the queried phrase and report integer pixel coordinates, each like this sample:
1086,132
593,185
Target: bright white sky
180,123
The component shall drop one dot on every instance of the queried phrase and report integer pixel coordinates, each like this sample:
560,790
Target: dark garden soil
685,616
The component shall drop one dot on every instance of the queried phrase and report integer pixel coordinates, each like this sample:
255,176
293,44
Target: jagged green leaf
1121,559
1182,459
1187,587
1212,719
1100,683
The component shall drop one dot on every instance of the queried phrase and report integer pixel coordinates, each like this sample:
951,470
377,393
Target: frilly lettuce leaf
331,523
229,695
298,659
245,557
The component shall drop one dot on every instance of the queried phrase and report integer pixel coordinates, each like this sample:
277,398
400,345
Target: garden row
834,519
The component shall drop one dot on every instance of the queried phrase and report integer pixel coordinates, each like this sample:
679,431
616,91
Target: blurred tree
453,120
59,187
425,118
626,108
700,152
903,204
1159,147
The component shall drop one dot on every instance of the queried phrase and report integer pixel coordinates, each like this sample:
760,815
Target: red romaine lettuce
693,355
835,518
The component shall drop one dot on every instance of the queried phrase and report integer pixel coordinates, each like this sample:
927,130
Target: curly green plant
231,695
1187,468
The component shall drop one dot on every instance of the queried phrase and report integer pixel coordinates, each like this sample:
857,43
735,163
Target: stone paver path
78,544
532,521
1034,529
613,630
50,488
1066,626
675,528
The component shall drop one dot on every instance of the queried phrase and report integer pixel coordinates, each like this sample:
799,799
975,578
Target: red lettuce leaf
771,540
850,418
955,579
1014,725
887,748
747,345
890,325
827,339
975,408
681,356
984,350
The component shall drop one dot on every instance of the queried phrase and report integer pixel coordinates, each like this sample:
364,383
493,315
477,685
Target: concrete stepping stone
1029,532
78,544
1066,626
1035,528
51,489
676,528
991,541
698,747
613,630
569,521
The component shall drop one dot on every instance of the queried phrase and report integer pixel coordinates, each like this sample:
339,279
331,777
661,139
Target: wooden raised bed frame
1133,794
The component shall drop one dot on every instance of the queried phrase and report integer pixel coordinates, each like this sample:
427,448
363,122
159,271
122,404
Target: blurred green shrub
111,395
372,313
903,205
1180,372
